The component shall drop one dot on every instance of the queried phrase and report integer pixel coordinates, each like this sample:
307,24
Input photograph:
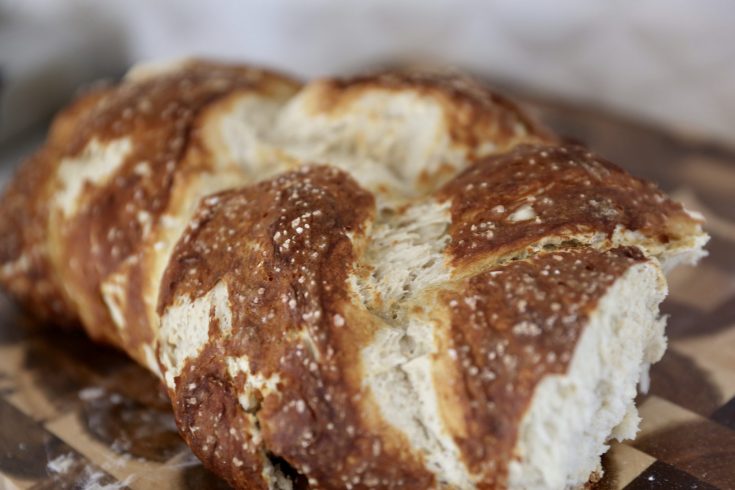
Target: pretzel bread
397,280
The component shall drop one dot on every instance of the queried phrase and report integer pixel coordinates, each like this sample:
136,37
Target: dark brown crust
23,222
214,424
158,115
282,249
285,249
569,192
511,326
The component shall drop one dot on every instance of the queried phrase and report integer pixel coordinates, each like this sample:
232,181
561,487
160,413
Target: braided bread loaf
392,281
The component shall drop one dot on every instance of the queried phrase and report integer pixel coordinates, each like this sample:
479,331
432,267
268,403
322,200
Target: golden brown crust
511,326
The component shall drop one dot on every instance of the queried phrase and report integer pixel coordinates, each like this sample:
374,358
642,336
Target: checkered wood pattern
74,414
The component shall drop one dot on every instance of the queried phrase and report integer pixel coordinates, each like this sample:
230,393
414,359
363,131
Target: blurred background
666,62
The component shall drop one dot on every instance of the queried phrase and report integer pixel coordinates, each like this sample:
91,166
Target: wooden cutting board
74,414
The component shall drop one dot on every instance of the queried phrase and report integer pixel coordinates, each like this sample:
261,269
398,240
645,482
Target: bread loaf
391,281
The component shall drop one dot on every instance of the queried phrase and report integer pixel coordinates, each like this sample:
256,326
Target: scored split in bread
396,280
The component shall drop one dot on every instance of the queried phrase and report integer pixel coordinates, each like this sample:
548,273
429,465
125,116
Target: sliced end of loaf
574,415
